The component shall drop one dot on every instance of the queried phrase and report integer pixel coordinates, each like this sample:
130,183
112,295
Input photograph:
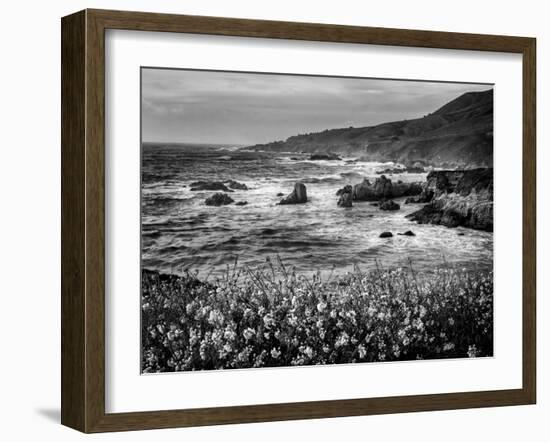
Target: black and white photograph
300,220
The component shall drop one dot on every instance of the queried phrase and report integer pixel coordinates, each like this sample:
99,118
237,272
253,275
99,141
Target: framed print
266,221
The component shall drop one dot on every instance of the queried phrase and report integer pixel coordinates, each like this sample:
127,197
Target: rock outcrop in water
383,189
297,196
407,233
325,156
458,198
389,205
232,184
346,196
218,199
224,186
209,185
397,170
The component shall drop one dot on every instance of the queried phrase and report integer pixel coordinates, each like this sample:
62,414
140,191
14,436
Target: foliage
271,316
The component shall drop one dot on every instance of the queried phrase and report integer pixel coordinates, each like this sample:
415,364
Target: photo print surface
294,220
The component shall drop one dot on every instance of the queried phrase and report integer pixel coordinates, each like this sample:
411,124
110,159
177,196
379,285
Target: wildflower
243,356
269,321
472,351
342,340
362,351
321,306
229,334
248,333
215,317
275,353
308,351
448,346
396,350
451,321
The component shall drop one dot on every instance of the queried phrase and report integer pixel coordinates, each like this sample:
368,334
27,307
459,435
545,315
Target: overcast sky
244,108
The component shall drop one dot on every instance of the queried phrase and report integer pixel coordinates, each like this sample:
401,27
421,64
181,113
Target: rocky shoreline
452,198
457,198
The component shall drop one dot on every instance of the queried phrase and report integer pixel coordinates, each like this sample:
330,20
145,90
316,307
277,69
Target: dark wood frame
83,217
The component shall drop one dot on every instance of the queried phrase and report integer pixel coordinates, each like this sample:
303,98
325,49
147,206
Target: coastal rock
346,196
398,170
383,188
460,198
297,196
209,185
218,199
425,197
325,156
280,194
232,184
389,205
386,235
407,233
241,203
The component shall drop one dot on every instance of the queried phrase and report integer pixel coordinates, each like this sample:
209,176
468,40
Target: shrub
270,316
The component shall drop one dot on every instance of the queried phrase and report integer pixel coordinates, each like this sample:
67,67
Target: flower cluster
272,317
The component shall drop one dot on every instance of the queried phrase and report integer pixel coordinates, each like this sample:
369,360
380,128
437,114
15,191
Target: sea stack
346,196
297,196
218,199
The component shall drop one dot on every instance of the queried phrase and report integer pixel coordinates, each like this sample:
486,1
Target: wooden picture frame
83,220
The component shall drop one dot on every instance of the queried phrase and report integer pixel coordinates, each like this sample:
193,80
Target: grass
271,317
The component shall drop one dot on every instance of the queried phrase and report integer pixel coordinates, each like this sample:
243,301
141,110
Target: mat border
83,220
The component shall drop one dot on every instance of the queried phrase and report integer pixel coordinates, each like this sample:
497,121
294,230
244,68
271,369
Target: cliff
457,198
457,135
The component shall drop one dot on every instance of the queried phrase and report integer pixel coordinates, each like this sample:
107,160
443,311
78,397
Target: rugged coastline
458,135
457,198
452,198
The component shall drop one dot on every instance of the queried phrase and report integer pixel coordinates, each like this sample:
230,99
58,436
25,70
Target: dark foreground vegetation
272,317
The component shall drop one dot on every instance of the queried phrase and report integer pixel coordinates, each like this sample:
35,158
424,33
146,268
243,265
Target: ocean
180,232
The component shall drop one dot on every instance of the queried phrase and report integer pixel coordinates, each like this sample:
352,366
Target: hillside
457,135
